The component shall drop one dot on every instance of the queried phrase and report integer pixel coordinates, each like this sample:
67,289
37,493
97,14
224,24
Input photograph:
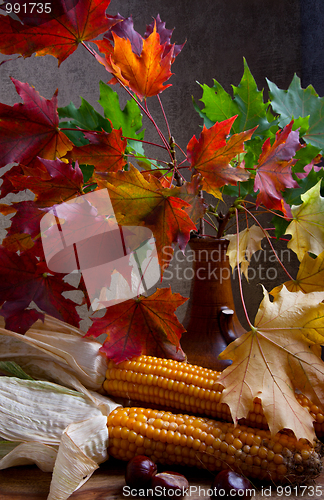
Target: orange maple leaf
146,325
144,74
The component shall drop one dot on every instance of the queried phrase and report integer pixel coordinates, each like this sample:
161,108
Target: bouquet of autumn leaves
247,148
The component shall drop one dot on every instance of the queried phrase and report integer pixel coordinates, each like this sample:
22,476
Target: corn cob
168,438
169,384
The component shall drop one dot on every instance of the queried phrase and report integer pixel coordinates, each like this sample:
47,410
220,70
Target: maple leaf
31,129
247,103
146,325
25,225
281,349
128,119
307,228
85,117
159,174
51,181
6,186
68,24
144,74
124,28
211,155
165,36
137,201
273,172
190,192
105,151
26,279
310,277
249,243
297,103
18,320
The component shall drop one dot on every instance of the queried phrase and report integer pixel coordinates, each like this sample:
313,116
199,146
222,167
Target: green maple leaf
247,103
85,117
307,227
128,119
297,102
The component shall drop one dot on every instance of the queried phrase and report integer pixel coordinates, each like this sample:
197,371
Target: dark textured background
277,38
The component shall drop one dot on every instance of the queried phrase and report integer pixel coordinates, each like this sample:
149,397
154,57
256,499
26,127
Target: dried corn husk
56,351
55,427
59,426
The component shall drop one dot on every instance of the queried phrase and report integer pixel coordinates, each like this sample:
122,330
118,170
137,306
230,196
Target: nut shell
139,471
230,484
170,484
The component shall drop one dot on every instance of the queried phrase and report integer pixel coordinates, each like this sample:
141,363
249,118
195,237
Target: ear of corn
173,385
201,442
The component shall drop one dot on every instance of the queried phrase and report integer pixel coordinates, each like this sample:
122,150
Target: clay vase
211,321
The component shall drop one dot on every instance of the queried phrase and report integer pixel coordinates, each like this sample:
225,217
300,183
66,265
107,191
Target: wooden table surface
29,483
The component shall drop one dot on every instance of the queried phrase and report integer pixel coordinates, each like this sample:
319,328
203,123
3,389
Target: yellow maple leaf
307,228
276,357
310,277
249,243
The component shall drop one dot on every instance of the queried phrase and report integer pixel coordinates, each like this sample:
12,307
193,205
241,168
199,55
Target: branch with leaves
248,148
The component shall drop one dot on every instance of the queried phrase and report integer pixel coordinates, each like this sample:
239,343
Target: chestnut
169,484
139,471
230,484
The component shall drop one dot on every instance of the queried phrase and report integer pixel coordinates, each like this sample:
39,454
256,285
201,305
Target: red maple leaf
52,181
211,154
58,32
24,225
18,320
105,151
25,279
6,186
146,325
273,172
31,129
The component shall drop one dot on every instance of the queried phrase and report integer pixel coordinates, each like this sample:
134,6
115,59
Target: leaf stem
202,220
78,129
139,158
209,223
164,115
92,52
163,139
268,210
238,269
184,154
141,140
268,238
